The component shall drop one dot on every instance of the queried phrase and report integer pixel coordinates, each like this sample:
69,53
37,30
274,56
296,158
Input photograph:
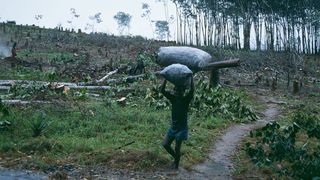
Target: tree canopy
123,19
256,24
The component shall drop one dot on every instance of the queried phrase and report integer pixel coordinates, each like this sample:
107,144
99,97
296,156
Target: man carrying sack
179,111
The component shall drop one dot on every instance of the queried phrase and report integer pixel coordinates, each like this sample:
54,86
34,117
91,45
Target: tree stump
274,84
214,78
296,87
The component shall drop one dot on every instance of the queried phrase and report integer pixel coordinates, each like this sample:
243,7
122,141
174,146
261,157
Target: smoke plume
4,51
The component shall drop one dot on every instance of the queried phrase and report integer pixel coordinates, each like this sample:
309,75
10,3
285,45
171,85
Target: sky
58,12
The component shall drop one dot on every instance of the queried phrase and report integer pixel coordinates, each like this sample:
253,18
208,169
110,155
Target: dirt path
218,166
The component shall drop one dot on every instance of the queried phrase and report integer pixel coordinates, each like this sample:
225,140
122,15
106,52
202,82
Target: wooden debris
122,101
222,64
126,144
107,76
21,102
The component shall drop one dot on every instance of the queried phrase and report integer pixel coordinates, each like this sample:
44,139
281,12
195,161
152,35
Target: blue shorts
178,134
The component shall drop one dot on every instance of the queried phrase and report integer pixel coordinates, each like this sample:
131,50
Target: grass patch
92,128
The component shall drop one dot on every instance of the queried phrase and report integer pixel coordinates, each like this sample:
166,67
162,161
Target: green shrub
208,102
294,147
39,124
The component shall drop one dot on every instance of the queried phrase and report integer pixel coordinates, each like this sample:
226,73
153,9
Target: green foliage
208,102
223,102
22,73
82,94
4,110
39,124
162,29
40,145
52,76
24,91
156,99
50,56
294,147
123,19
147,59
109,97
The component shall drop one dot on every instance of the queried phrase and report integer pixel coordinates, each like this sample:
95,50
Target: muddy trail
219,164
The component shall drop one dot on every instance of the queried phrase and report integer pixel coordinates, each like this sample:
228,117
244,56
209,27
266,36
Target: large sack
194,58
177,74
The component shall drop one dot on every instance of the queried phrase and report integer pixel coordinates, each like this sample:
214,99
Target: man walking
179,124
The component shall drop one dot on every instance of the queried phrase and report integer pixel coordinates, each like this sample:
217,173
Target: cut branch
107,76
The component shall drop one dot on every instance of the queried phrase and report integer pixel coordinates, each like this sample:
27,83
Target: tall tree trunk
285,43
246,34
224,24
313,39
316,36
278,47
218,32
256,29
271,35
237,33
197,31
309,39
181,29
210,31
229,30
303,36
289,36
205,28
293,35
299,38
267,26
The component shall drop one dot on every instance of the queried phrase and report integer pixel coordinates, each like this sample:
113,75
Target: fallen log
222,64
102,79
92,87
13,82
21,102
4,88
107,76
128,79
76,87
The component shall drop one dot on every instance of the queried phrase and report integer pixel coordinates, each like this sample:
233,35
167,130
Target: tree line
280,25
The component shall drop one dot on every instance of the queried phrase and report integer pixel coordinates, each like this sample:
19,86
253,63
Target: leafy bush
147,59
221,102
294,148
208,102
156,99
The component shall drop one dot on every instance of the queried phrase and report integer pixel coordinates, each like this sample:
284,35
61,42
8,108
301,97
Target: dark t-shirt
180,106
